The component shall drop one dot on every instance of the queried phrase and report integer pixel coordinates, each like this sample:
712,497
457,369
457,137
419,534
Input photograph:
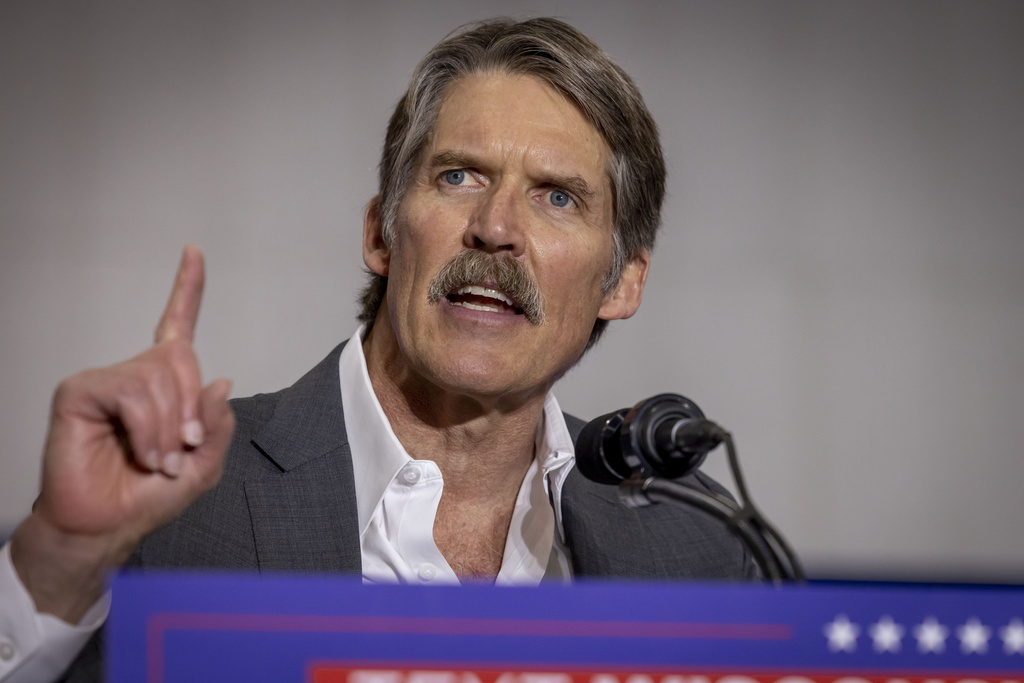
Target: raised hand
129,447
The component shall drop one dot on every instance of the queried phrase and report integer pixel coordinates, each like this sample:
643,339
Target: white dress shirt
396,499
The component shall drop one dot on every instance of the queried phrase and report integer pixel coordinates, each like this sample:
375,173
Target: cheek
419,235
428,232
576,269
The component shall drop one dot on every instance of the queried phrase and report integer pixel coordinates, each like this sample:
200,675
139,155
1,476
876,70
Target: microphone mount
648,449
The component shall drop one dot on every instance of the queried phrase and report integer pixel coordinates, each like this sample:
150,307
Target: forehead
522,118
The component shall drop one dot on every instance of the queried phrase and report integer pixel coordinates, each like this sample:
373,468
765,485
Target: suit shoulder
574,424
252,412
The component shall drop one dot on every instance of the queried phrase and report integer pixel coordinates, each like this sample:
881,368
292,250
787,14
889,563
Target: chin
480,379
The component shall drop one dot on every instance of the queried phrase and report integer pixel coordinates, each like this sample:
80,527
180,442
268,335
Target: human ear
624,299
376,252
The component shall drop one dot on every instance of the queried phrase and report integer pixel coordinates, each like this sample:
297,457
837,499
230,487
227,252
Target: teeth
477,290
476,307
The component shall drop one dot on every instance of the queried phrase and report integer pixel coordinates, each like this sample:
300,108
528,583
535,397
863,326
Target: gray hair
569,62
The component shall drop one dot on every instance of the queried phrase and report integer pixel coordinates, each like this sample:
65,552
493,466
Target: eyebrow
573,183
451,158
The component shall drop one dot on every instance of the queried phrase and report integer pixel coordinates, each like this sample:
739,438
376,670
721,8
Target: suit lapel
304,517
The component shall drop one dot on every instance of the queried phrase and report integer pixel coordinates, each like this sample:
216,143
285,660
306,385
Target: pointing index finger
179,318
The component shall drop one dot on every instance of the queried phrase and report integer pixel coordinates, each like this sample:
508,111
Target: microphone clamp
665,435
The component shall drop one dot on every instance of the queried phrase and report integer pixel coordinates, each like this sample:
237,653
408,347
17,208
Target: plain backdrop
838,280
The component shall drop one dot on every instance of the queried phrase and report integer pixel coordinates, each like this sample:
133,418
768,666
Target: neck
482,444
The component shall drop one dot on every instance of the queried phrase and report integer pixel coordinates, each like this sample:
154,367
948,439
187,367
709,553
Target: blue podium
178,628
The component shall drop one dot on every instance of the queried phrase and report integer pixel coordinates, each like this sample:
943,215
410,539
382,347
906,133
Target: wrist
65,573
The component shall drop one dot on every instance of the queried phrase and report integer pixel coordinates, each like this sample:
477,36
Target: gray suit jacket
286,502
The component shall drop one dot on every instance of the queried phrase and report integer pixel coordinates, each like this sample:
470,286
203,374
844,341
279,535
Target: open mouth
480,298
488,284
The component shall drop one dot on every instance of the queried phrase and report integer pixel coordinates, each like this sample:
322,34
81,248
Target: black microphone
665,435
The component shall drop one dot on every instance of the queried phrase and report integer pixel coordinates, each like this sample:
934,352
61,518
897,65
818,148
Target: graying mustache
506,274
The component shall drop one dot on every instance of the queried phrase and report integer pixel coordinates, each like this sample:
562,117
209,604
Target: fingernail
151,460
192,433
172,464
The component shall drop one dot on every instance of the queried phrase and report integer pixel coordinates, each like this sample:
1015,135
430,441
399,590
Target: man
520,191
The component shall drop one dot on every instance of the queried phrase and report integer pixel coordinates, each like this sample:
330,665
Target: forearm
64,573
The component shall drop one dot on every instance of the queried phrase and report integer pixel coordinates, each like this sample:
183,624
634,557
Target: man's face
512,171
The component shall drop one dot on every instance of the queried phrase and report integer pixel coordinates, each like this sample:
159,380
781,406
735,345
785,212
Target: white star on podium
841,634
1013,637
974,636
886,634
931,635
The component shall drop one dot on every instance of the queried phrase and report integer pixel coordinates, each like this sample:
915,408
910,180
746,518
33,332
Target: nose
497,223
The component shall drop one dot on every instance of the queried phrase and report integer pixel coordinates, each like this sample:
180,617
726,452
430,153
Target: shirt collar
377,455
556,454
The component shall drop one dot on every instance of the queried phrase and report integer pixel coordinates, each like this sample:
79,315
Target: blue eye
456,177
559,198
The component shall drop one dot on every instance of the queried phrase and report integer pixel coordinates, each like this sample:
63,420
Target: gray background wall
838,280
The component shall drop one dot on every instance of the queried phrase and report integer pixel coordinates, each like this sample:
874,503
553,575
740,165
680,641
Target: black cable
771,534
770,552
655,490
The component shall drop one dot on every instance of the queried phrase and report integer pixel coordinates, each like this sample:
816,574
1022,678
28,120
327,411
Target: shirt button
427,571
410,475
6,652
